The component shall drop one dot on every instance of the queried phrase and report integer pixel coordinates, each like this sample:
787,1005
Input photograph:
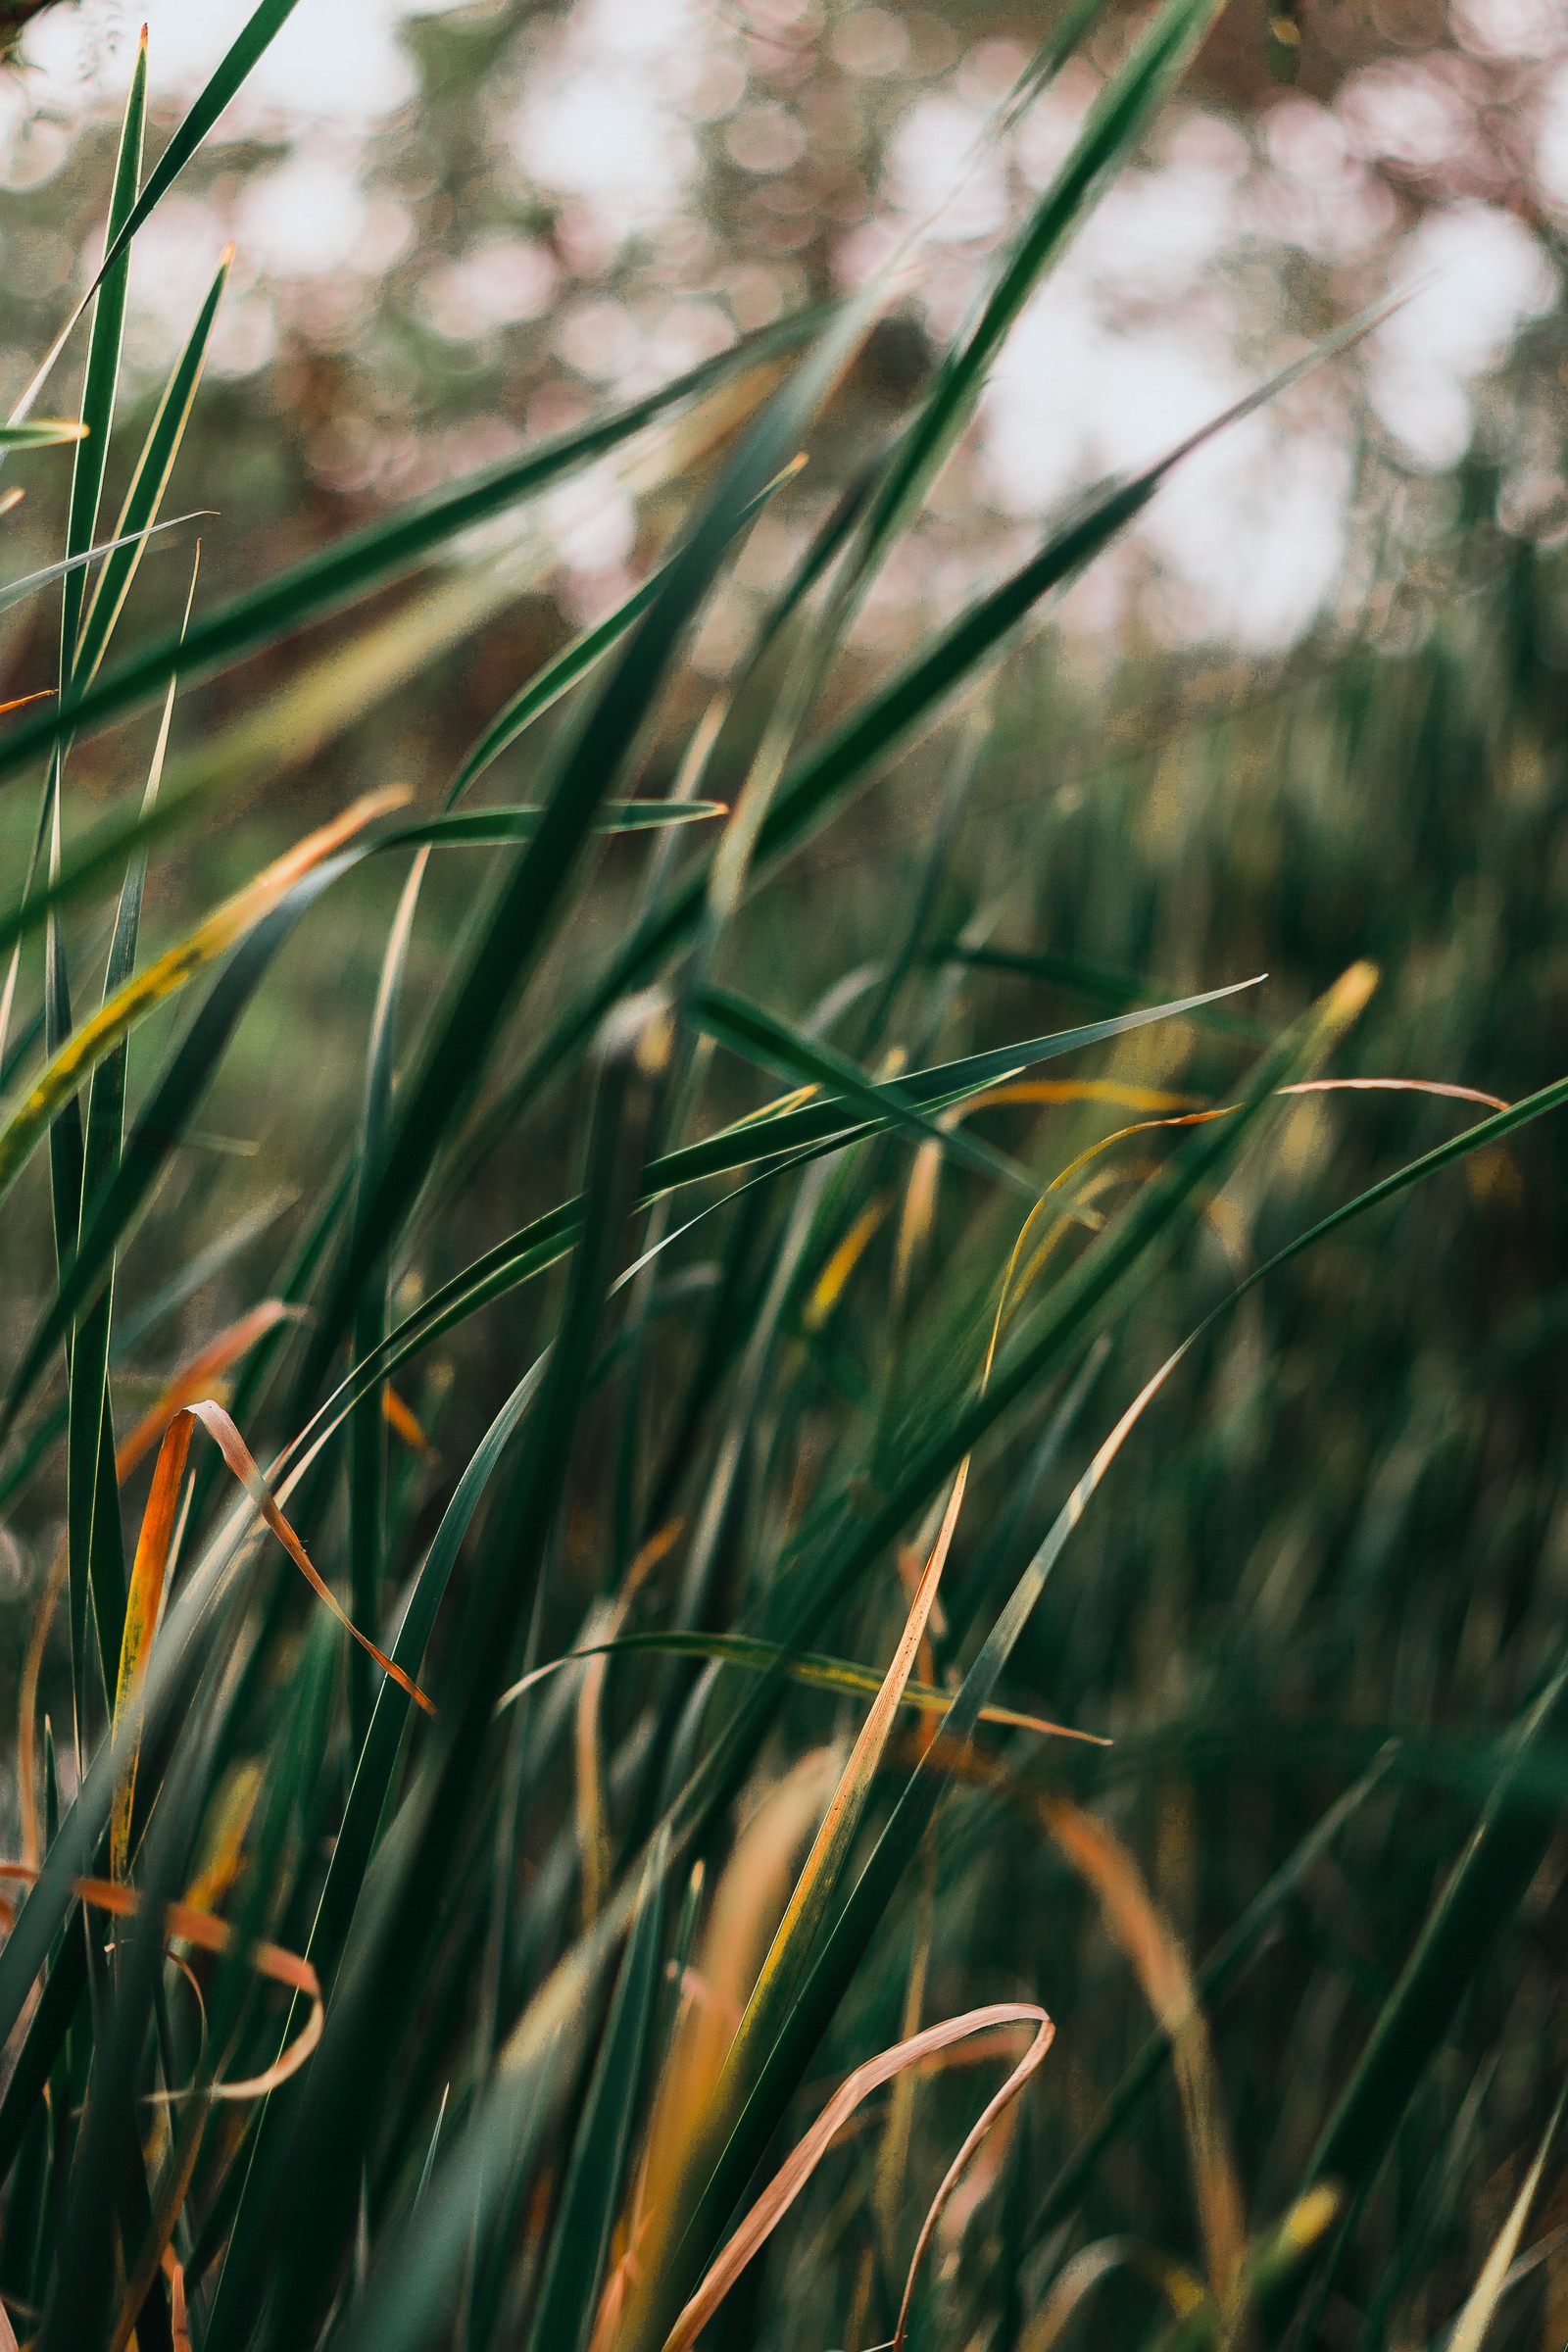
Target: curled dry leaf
196,1376
235,1452
1155,1950
797,2170
149,1575
185,1923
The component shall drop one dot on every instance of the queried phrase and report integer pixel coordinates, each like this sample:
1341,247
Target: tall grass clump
593,1768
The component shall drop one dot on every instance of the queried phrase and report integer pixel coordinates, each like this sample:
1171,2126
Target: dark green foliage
710,1392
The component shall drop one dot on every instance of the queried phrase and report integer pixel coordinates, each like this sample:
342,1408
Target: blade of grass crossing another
364,560
93,1527
102,380
788,1136
259,33
75,1059
163,1120
1080,1300
1118,118
822,780
144,497
467,1022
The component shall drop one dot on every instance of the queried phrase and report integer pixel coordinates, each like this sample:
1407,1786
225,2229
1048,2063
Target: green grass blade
69,567
367,1433
145,496
512,940
47,432
788,1138
549,683
102,380
776,1044
491,828
806,1667
596,2170
1092,980
382,551
169,1108
1117,119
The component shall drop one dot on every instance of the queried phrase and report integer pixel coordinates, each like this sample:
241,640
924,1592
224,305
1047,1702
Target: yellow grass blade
166,975
143,1607
1470,2328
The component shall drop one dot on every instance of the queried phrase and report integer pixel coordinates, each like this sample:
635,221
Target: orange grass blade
1160,1965
1155,1950
833,1839
143,1608
185,1923
748,1902
797,2168
989,2117
196,1376
402,1421
829,1287
179,2321
237,1454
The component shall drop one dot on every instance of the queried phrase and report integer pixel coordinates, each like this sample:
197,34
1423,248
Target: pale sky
1131,343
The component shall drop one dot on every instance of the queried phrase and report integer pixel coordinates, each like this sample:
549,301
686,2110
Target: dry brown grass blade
183,1923
195,1376
1159,1963
1155,1950
798,2166
822,1865
986,2123
892,2154
237,1454
1306,1085
748,1902
1397,1086
593,1836
159,2254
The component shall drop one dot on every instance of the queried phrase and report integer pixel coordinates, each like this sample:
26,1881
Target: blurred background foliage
1315,709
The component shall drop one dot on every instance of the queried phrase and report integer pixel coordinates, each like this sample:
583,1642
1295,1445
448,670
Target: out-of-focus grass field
783,1476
